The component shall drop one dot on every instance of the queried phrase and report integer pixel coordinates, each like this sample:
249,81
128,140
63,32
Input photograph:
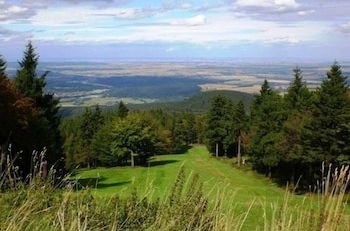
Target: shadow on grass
96,183
161,162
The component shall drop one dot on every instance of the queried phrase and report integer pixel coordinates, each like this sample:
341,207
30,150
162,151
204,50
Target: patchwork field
86,84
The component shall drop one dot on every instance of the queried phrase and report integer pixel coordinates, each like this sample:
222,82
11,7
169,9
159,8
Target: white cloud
92,24
223,29
10,12
61,17
85,15
132,13
266,6
16,9
288,3
268,3
170,49
186,5
345,28
194,21
305,12
290,40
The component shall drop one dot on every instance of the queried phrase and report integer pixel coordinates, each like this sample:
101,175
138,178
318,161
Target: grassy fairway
161,173
238,189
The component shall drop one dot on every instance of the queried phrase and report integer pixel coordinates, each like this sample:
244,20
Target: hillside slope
198,103
238,189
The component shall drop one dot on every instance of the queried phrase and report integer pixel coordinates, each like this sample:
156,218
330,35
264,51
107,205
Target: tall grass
40,206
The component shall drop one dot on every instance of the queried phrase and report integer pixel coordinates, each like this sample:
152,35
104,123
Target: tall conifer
298,96
122,110
33,85
218,124
240,124
327,137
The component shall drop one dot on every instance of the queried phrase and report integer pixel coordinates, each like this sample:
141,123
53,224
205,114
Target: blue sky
110,30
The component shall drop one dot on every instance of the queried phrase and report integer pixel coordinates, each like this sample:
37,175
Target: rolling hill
198,103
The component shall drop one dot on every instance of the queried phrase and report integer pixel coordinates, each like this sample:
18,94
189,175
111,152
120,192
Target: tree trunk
2,160
293,176
132,159
217,150
239,151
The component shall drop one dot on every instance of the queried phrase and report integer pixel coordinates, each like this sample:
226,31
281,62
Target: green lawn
163,169
238,188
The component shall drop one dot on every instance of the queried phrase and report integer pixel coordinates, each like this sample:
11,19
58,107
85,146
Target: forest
284,136
291,137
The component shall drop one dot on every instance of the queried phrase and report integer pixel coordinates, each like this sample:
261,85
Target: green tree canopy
91,122
122,110
31,85
327,137
101,146
135,134
21,127
219,124
298,96
268,115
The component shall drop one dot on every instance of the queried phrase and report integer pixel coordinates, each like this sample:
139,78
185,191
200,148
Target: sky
111,30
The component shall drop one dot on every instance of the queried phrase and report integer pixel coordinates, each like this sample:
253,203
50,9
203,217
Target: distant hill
198,103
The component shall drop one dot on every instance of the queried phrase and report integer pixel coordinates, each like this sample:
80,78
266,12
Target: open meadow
243,193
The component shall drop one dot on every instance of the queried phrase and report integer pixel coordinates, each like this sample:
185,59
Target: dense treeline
121,137
287,136
29,136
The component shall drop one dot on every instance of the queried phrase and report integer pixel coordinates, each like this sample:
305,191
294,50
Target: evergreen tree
268,115
71,134
298,96
240,125
218,124
265,90
298,100
182,132
27,81
327,137
2,66
101,146
32,85
122,110
91,122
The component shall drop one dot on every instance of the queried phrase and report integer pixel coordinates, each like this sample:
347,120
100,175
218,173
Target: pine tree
218,124
298,102
327,137
91,122
265,91
101,145
31,85
27,81
240,124
298,96
2,65
268,115
122,110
